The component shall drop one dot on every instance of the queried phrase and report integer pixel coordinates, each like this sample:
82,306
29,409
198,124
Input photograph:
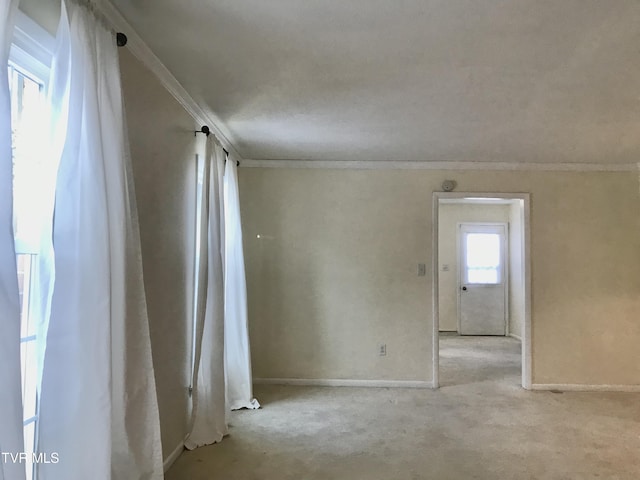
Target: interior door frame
526,334
505,269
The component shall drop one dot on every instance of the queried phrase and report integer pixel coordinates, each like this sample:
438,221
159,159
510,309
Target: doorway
481,284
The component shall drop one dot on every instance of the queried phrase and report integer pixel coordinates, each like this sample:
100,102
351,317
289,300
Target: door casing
525,199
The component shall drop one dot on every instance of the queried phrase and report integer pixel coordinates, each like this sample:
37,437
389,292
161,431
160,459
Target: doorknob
464,288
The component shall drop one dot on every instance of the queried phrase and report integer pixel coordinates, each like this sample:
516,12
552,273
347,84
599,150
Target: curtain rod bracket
121,39
204,130
207,132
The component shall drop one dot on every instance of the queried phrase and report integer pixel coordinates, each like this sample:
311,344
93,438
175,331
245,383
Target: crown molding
475,166
142,52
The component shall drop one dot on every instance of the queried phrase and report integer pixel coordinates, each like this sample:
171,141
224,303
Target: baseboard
578,387
330,382
517,337
173,456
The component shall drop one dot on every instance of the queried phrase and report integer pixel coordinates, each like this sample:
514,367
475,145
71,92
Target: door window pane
482,252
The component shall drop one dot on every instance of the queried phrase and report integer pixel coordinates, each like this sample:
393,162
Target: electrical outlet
422,269
382,349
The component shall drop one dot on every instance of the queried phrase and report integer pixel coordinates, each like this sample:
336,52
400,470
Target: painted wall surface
449,216
334,272
45,12
163,150
516,271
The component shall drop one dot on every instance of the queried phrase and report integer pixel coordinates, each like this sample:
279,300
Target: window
28,70
26,98
482,252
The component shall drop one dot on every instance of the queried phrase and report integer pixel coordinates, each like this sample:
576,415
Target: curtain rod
121,41
207,131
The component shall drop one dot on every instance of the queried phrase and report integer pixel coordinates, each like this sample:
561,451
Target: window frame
32,49
30,56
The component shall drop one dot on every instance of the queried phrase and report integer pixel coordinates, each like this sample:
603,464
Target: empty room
320,240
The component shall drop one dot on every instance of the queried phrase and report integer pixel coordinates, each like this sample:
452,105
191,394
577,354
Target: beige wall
163,150
335,273
449,216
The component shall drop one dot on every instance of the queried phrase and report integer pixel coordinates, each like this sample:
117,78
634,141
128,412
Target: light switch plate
422,269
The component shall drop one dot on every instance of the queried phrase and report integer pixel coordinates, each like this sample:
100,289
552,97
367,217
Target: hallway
471,359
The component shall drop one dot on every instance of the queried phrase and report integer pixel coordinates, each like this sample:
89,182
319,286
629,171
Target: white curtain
208,423
11,440
98,406
237,354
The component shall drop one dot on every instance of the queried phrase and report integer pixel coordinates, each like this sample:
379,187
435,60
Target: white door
482,289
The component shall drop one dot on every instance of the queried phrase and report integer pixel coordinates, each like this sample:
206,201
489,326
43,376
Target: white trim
579,387
435,297
30,36
331,382
31,48
526,339
142,52
527,363
173,456
477,201
513,335
425,165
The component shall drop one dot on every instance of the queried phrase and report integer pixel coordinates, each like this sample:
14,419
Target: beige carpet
479,425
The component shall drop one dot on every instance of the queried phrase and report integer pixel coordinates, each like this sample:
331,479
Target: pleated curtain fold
98,408
208,421
236,329
98,405
222,371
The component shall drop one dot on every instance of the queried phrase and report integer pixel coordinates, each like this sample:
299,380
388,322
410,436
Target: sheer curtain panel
98,406
236,333
11,440
209,407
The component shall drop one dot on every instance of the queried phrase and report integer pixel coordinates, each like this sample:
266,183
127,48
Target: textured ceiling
409,80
